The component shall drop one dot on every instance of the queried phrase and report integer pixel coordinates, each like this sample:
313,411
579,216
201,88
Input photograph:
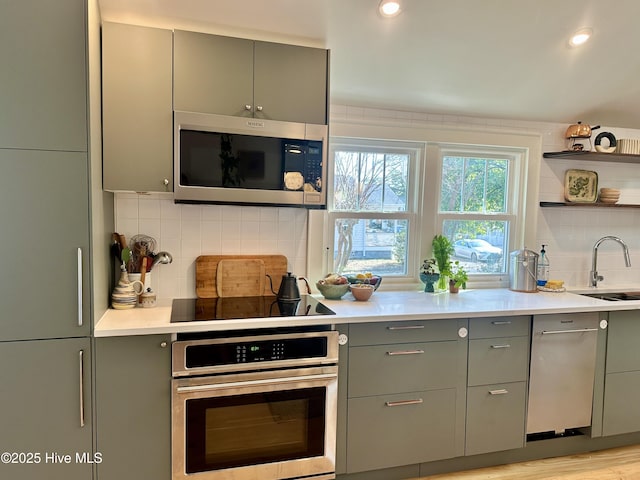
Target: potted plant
429,274
457,277
442,251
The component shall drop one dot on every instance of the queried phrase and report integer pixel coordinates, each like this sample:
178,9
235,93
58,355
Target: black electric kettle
288,291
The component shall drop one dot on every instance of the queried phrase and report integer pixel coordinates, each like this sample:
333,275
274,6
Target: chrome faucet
594,277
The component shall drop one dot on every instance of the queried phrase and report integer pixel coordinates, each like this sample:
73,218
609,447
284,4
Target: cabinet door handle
501,391
79,286
81,370
506,345
406,327
577,330
247,107
401,403
501,322
405,352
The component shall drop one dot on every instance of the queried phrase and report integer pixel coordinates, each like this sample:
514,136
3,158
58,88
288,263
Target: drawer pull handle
502,322
402,403
501,346
502,391
577,330
405,352
407,327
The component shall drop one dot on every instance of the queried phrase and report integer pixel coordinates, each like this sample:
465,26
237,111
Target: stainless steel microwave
224,159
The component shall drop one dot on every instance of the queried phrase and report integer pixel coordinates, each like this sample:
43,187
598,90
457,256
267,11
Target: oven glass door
242,430
272,424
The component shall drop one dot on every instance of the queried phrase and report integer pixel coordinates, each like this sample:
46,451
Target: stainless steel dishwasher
563,361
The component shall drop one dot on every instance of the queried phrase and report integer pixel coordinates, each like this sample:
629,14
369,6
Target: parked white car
476,250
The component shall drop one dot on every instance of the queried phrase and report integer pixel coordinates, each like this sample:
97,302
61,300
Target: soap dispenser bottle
543,268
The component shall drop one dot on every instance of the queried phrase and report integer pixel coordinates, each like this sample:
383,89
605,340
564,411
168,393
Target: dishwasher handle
577,330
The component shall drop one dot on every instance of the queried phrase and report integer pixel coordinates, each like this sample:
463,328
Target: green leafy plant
457,274
442,251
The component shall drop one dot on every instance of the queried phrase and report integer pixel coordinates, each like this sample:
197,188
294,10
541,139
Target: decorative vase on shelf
429,279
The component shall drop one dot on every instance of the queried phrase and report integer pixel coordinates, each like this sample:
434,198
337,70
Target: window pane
365,245
474,185
479,245
370,181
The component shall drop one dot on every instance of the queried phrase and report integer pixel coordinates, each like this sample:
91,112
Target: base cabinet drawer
407,367
494,360
621,407
495,417
402,429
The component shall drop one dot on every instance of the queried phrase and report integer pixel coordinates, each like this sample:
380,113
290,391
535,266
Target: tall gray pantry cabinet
45,384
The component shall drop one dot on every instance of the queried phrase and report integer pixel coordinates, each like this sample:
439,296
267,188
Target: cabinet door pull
506,345
406,327
501,322
577,330
79,286
405,352
501,391
402,403
81,370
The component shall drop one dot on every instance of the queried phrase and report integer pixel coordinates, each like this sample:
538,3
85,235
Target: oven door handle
251,383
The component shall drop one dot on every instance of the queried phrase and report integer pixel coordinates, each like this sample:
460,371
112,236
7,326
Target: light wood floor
615,464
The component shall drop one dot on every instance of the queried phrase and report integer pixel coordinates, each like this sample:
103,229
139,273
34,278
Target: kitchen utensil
523,270
578,131
332,292
207,268
240,278
141,246
161,258
288,290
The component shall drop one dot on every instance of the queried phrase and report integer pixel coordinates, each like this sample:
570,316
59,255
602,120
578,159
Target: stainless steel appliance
563,361
224,159
262,405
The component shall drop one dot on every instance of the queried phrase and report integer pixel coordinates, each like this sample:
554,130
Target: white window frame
514,213
412,214
320,231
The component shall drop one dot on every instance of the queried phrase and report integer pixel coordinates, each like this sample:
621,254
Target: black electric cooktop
226,308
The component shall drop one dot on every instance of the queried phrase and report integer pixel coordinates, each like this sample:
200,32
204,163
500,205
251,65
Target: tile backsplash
187,231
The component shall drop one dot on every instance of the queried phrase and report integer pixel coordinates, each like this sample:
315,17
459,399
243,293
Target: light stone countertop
383,306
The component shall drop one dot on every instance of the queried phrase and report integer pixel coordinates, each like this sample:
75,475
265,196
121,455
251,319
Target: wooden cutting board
240,278
207,272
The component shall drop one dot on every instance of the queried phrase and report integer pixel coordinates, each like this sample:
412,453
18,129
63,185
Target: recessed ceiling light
580,37
389,8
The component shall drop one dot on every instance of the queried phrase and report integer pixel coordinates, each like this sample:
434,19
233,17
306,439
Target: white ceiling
504,59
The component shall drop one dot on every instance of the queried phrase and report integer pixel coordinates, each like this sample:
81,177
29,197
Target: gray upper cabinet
43,90
41,234
46,408
233,76
137,108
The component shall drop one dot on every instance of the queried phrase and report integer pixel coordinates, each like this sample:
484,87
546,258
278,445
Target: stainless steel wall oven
257,407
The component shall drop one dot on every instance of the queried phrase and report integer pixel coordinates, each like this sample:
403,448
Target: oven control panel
226,355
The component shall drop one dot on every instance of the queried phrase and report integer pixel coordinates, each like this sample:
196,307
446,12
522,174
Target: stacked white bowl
609,195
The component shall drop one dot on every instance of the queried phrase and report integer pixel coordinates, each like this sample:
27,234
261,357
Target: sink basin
614,296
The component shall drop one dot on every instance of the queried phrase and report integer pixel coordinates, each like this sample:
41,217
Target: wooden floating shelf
594,156
589,205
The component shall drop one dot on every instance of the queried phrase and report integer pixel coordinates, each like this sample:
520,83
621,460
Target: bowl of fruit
366,278
333,286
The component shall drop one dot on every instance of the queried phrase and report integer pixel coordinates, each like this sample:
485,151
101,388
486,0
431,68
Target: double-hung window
373,206
477,208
